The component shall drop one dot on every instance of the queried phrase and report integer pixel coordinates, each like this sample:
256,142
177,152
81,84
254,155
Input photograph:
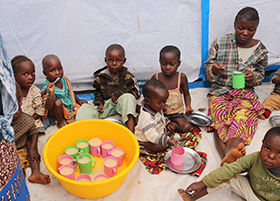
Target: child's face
245,30
270,152
53,69
169,63
115,60
157,102
25,74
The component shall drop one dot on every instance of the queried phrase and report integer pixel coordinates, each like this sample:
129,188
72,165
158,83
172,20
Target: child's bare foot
68,121
185,196
61,124
236,153
262,116
38,177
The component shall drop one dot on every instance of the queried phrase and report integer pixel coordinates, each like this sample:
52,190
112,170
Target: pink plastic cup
95,146
119,154
67,159
100,177
106,148
110,166
67,171
83,177
177,155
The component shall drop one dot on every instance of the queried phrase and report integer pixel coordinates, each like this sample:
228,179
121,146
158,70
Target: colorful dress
33,103
66,95
235,112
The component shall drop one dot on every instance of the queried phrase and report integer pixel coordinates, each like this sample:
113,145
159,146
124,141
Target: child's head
115,57
52,67
245,24
155,94
24,71
19,97
270,151
169,58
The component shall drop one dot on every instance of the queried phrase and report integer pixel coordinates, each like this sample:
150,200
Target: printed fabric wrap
235,114
8,94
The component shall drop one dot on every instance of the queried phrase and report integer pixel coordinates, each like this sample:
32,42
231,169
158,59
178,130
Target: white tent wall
79,31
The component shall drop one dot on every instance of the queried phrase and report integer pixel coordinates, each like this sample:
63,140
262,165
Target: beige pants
240,185
272,102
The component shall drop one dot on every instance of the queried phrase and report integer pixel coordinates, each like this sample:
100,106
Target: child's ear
179,63
124,60
147,100
44,73
105,59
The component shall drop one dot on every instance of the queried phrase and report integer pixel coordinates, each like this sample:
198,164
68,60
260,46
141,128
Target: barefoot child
62,103
272,102
26,138
32,102
116,90
153,128
177,85
260,183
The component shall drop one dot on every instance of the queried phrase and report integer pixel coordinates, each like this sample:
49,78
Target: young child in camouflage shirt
116,90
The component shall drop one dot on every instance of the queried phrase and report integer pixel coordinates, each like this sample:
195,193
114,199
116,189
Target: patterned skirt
12,179
235,114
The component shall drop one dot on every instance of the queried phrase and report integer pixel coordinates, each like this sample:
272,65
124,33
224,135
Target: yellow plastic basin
87,129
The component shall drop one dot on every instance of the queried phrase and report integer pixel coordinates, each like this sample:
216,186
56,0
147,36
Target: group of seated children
116,91
166,98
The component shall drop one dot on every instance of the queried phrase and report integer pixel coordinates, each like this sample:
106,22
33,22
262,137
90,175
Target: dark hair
275,131
47,58
115,47
247,13
170,48
151,86
18,60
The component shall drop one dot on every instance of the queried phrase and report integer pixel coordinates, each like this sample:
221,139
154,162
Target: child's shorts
239,185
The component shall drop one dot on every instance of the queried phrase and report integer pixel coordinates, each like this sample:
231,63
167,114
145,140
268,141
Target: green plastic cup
83,146
72,151
238,80
85,164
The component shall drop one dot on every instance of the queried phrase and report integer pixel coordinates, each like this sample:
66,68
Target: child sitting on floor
260,183
32,102
116,90
62,103
272,102
177,85
153,128
26,138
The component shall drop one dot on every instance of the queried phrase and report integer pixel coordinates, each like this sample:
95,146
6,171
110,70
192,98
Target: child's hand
113,98
171,127
189,110
34,155
82,102
51,87
217,68
100,108
195,188
171,141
